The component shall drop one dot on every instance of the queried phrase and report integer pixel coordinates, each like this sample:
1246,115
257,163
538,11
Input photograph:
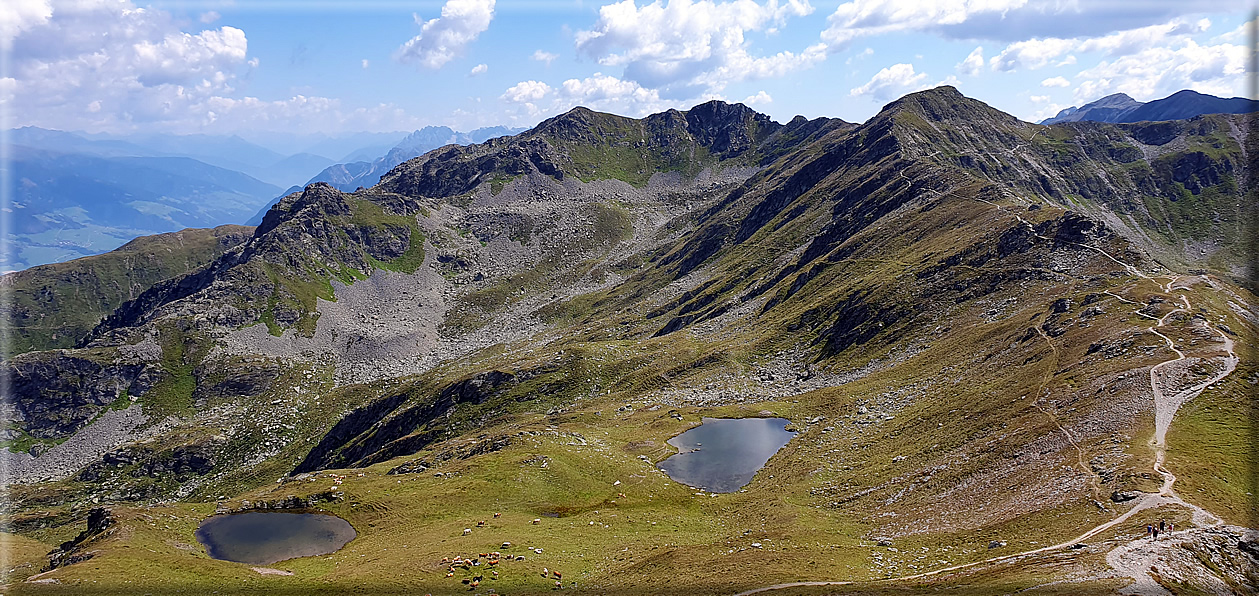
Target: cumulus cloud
478,69
1039,98
599,92
442,39
546,57
1160,71
760,98
107,65
21,15
366,63
974,62
685,47
891,82
1055,82
527,91
1038,53
864,18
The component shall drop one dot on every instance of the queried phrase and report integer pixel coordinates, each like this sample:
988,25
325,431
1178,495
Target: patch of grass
181,352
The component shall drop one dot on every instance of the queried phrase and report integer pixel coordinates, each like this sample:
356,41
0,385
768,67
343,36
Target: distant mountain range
1120,107
228,152
69,205
350,176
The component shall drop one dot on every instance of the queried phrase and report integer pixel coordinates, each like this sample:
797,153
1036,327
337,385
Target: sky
332,66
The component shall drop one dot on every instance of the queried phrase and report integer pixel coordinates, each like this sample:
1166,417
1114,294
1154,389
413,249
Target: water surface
723,454
262,538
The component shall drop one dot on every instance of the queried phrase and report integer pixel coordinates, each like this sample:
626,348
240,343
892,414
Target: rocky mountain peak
945,104
727,128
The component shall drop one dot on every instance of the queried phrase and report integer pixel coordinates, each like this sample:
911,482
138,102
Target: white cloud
685,47
1038,53
542,56
974,62
478,69
21,15
599,92
1160,71
366,63
527,91
442,39
760,98
107,65
1039,98
1238,35
209,17
864,18
1032,54
1055,82
890,82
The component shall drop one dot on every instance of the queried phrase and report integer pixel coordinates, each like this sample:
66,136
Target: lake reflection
723,454
262,538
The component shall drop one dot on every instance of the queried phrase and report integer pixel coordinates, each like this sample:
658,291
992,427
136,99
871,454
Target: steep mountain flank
55,306
989,335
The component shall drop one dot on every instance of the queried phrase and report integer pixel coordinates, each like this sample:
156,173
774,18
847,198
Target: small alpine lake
262,538
721,455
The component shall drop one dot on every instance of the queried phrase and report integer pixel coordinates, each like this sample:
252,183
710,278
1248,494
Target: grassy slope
56,305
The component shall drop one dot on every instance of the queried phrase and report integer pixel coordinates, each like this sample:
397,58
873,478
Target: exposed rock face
179,462
385,429
56,393
70,552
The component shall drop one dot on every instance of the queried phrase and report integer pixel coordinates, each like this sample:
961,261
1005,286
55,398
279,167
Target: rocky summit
1006,350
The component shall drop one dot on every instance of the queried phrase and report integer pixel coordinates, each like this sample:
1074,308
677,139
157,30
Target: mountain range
349,176
1004,348
1177,106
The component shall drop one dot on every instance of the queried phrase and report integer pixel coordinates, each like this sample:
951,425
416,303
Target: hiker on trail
1149,529
1162,525
1156,533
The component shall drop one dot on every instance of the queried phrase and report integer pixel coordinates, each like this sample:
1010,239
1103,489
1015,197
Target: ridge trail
1165,409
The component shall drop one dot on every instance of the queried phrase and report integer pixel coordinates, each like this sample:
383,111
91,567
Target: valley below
1004,350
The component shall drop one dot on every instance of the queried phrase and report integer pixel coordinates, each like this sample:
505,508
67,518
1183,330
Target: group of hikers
1163,527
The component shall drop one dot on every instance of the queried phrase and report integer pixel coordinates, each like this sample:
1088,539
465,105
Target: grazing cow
537,520
480,524
467,531
545,572
475,583
497,514
557,575
559,585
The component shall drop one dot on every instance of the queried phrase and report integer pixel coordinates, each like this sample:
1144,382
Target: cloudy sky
384,65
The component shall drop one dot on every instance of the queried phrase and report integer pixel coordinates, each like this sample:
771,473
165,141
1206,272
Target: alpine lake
721,455
262,538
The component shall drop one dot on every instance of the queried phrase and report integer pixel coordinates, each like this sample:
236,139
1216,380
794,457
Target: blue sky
385,65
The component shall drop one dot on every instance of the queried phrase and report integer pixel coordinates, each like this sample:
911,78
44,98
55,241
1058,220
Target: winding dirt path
1121,559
